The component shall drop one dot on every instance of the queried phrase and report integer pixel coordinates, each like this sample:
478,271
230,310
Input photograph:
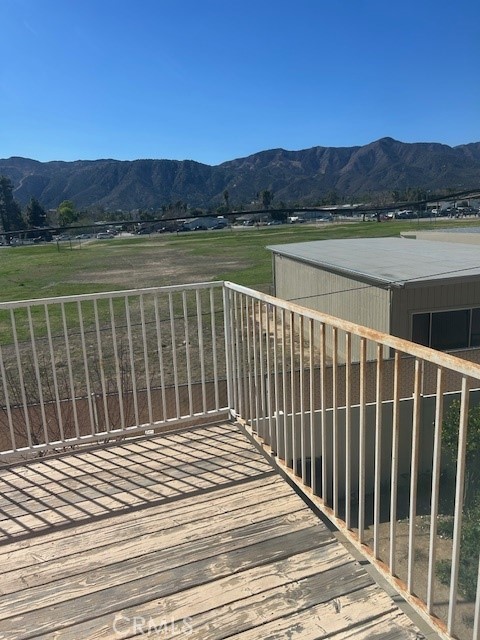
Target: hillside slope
294,176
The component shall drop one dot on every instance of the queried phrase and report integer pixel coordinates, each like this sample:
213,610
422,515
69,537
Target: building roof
396,262
466,235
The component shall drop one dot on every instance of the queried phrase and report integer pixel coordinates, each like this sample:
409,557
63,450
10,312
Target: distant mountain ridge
302,176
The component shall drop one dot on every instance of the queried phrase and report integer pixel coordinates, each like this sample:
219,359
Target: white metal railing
88,367
355,416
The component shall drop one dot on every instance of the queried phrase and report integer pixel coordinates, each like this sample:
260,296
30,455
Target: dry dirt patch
158,268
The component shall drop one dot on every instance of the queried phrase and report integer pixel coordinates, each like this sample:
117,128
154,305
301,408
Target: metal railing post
227,323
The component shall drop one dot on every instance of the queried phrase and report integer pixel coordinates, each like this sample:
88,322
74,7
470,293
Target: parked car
104,235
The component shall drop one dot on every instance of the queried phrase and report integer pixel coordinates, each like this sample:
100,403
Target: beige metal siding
444,236
331,293
406,302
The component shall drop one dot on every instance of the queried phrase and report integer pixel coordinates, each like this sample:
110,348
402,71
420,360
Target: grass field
239,255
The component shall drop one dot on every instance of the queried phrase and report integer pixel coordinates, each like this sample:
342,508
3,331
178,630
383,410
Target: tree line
34,216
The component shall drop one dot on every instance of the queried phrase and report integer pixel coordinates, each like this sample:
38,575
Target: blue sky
213,80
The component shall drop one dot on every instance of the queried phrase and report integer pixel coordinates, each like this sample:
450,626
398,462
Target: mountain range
302,177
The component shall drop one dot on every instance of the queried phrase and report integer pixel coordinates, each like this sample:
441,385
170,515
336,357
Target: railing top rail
108,294
446,360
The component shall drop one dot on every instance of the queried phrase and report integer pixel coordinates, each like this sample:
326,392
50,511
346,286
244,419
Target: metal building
424,291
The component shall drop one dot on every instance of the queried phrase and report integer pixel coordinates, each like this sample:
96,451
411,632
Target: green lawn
237,255
249,246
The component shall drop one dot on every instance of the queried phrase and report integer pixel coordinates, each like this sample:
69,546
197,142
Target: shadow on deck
184,534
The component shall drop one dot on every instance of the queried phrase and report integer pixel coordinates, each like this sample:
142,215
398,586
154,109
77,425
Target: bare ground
158,265
465,609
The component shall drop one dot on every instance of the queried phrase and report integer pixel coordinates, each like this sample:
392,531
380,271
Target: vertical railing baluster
323,401
303,457
187,352
214,349
414,472
173,339
236,357
245,373
70,370
378,451
286,447
56,391
276,381
437,453
146,363
132,360
263,402
118,366
21,380
201,349
361,442
335,419
37,376
348,430
229,364
8,407
247,360
394,464
313,435
268,382
237,361
101,365
250,359
91,412
293,389
458,512
161,364
255,422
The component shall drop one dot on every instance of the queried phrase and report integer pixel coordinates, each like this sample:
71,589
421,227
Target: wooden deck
188,534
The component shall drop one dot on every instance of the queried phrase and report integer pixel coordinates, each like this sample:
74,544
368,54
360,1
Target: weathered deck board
93,468
161,517
144,555
170,446
355,613
43,499
70,480
35,508
193,530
